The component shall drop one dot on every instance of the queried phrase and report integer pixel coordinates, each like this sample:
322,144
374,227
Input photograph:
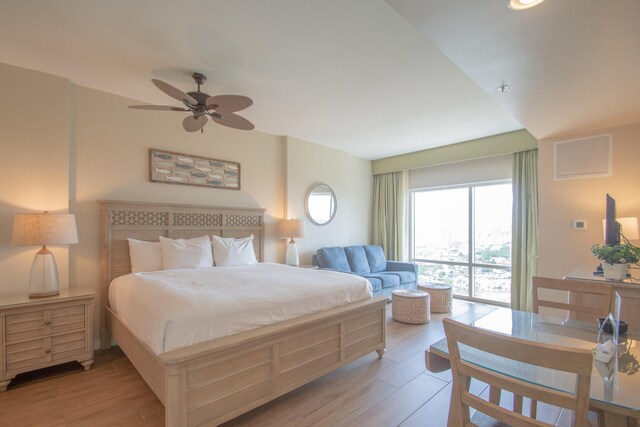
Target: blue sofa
369,262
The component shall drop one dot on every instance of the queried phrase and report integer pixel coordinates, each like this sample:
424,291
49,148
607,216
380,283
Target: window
461,236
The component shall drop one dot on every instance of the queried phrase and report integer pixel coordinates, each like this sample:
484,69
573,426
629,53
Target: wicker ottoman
410,306
441,296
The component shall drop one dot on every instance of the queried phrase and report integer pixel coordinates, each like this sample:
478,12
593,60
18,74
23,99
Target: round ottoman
441,296
409,306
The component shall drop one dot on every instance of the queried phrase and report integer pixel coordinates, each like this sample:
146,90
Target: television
612,227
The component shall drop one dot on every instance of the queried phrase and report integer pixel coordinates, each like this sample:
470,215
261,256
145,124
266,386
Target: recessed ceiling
352,74
372,78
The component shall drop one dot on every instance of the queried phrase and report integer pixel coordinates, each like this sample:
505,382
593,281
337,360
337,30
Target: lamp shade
292,228
33,229
628,227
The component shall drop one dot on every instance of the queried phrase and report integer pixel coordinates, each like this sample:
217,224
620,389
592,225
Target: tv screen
612,228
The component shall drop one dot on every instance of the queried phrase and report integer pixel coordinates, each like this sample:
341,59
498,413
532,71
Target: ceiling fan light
523,4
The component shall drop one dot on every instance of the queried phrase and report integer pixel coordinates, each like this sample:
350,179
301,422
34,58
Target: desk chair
576,361
588,301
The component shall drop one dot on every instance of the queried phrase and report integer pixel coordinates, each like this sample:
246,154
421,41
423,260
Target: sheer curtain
524,251
390,212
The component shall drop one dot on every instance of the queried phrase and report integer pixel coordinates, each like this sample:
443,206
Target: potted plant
616,259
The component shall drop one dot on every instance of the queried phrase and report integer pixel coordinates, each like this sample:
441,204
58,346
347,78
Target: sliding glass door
461,236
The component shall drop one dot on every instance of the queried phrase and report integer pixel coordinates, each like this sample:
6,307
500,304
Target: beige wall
562,248
34,165
351,180
90,146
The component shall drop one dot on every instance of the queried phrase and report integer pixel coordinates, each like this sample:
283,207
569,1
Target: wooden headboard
147,221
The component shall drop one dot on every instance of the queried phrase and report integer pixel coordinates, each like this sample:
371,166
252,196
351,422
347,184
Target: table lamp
34,229
290,228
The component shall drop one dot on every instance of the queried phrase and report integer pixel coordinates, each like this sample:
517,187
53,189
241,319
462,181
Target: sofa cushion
405,276
357,259
388,280
376,283
334,258
375,256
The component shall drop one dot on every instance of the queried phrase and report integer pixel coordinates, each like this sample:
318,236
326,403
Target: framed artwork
176,168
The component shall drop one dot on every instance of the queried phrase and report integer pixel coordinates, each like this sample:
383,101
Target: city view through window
462,237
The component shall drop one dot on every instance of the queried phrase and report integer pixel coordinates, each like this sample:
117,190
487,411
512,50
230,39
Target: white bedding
176,308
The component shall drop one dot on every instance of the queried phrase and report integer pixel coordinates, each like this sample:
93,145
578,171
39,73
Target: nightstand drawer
26,354
67,319
68,345
24,326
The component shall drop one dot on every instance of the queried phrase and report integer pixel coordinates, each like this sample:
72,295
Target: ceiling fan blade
194,123
157,107
174,93
228,103
234,121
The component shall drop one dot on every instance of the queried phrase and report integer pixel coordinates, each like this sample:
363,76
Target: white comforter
176,308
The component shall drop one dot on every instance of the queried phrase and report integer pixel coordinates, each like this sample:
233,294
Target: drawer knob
48,350
47,322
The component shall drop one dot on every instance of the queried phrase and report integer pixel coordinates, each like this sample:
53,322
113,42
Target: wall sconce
34,229
290,228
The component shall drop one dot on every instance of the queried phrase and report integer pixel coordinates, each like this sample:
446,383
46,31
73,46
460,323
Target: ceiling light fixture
503,88
523,4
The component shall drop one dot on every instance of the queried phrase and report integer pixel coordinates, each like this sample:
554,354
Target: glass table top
615,383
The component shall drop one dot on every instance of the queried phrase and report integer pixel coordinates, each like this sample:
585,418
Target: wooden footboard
215,381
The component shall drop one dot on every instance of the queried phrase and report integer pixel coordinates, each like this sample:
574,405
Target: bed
210,382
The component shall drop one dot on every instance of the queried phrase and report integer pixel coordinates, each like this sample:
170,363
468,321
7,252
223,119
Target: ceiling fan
221,108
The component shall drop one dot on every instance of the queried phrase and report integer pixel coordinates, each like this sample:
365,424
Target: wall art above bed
176,168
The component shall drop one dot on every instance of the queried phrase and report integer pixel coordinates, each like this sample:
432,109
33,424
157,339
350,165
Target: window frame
470,264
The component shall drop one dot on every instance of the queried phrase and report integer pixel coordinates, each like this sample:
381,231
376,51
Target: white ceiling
571,65
351,74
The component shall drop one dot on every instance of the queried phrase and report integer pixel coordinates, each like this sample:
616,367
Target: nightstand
37,333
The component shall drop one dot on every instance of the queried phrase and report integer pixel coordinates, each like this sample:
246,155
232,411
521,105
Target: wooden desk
613,391
629,291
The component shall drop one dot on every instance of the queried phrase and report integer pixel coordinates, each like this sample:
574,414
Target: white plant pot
615,271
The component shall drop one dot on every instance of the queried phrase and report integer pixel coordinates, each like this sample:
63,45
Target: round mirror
320,204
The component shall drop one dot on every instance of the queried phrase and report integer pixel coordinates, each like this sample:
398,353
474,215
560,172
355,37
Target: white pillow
189,253
145,256
229,252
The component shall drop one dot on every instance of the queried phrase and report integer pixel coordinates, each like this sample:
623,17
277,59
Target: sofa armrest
402,266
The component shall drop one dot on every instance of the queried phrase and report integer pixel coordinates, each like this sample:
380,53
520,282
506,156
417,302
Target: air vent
582,158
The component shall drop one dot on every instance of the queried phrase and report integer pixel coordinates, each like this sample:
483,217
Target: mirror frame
306,203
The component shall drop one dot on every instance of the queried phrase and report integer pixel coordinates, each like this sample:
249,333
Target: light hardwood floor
393,391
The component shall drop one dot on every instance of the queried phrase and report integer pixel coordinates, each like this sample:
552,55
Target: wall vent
583,158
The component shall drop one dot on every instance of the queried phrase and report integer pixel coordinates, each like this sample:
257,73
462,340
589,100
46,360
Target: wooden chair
587,300
577,361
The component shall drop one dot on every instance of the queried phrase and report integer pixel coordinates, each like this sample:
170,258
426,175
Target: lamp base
292,254
44,275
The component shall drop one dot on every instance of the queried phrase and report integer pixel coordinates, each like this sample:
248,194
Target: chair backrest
586,300
576,361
